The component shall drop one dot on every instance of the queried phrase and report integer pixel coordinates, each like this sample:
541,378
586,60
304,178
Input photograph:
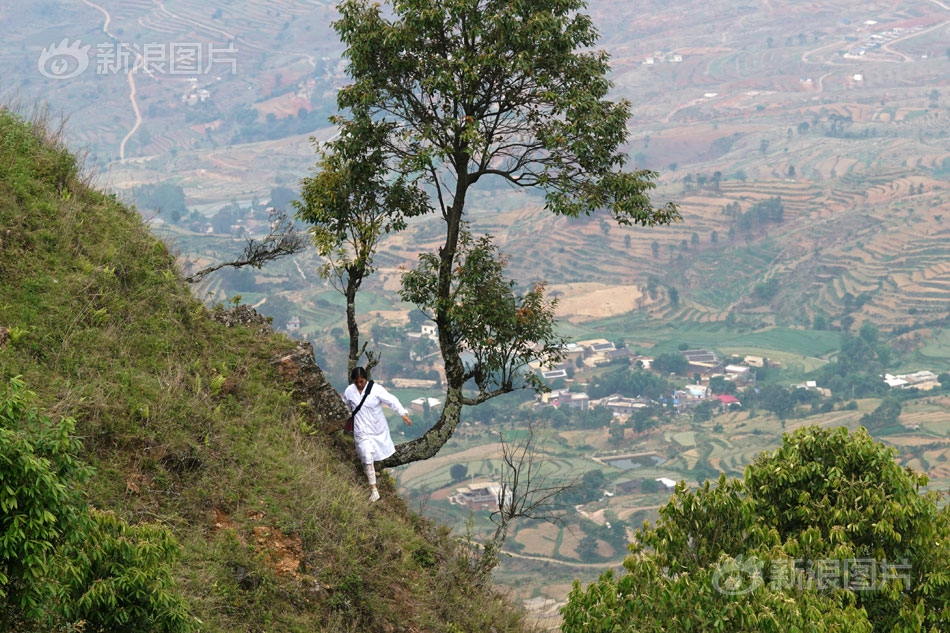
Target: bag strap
369,387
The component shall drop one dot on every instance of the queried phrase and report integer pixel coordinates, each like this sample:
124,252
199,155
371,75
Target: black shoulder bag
348,425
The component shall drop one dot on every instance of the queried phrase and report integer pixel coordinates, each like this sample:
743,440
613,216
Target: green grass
188,424
936,352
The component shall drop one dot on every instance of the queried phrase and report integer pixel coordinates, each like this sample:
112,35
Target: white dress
370,428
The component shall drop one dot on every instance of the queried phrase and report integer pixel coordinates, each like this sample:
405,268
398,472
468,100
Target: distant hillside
840,110
190,424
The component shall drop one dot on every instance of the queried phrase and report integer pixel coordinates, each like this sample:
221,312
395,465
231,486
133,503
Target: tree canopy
827,533
350,203
465,89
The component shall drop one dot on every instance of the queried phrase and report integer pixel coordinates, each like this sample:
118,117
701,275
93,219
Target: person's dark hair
358,372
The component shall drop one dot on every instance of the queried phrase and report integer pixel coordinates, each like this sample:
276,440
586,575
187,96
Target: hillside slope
190,424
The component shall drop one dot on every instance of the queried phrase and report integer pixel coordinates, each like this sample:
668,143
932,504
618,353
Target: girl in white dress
370,428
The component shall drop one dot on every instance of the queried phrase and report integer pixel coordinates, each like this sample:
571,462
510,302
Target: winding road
131,77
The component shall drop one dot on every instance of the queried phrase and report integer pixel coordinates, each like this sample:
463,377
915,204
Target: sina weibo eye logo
63,60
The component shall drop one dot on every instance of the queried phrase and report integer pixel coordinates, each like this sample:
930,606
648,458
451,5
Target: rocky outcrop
242,315
325,406
324,403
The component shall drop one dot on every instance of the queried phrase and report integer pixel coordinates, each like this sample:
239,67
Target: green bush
62,562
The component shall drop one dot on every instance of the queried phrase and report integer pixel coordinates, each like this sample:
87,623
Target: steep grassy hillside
189,424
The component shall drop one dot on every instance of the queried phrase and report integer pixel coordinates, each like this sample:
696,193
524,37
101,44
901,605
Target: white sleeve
389,400
347,402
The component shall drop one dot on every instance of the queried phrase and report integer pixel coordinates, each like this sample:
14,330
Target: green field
936,351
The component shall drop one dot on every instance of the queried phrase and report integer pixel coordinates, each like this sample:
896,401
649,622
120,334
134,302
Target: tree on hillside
827,533
350,204
858,366
670,363
886,416
466,89
163,197
282,198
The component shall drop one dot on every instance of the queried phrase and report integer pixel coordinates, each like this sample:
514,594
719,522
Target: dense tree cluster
630,383
827,533
164,197
770,211
670,363
859,365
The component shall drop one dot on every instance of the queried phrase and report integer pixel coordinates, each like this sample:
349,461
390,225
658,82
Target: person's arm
347,402
393,403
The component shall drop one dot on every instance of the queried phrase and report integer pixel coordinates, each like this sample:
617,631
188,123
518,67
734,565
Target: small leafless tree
283,239
527,491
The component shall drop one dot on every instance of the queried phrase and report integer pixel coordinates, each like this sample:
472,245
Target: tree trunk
436,437
352,285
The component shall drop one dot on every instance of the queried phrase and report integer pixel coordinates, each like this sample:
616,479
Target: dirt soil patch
538,541
587,301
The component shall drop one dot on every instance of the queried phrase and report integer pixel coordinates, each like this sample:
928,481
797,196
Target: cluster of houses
657,58
920,380
877,39
702,364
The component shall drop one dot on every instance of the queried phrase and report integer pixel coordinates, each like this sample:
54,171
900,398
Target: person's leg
371,478
365,454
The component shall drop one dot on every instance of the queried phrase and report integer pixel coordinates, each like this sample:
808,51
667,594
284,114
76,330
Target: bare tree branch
282,240
527,491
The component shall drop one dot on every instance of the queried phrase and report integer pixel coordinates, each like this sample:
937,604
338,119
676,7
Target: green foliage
671,363
118,579
775,551
858,366
39,500
703,412
458,472
62,562
783,402
588,488
769,211
164,197
719,385
457,80
350,203
629,383
465,89
595,418
886,417
650,486
766,290
501,328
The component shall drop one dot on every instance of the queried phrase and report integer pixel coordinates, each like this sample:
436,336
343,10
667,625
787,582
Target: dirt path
131,76
566,563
